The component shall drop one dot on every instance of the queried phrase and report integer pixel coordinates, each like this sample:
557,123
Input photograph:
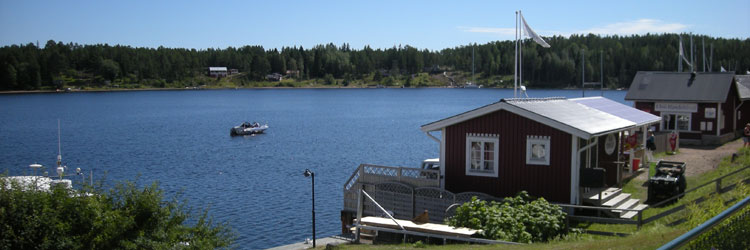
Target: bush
517,219
329,80
126,217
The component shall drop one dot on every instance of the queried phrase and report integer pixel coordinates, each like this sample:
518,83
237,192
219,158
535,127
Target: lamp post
311,174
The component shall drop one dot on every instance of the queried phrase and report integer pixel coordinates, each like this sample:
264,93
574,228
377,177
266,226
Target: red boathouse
550,147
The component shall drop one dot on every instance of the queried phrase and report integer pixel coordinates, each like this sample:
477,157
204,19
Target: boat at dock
248,128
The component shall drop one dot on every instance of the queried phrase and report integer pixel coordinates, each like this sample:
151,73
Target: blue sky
432,25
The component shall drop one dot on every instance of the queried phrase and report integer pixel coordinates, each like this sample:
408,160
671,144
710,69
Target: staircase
615,199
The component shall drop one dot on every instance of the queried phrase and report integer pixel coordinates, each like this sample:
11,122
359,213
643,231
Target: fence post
360,207
413,203
718,186
362,173
640,219
400,169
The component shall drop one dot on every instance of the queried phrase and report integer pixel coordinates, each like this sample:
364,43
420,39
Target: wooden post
640,219
413,204
361,173
598,211
718,186
360,207
399,174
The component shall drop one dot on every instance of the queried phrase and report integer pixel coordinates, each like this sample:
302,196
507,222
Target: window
675,121
537,150
482,155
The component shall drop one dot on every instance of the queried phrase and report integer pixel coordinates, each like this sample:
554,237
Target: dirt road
700,159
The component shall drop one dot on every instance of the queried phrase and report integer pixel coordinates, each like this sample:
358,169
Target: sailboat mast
711,62
59,148
472,64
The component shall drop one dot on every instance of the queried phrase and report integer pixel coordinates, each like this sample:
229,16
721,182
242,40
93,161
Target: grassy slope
652,235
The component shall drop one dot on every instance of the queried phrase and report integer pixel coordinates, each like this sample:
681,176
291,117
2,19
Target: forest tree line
54,64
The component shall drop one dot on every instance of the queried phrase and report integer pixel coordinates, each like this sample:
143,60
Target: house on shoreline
217,71
704,108
567,151
546,146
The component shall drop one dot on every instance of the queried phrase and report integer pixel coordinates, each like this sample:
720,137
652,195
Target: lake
256,183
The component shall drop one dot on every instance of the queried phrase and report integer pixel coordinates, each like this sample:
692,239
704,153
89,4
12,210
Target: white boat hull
239,130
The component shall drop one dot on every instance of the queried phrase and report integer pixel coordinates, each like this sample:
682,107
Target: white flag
723,69
529,32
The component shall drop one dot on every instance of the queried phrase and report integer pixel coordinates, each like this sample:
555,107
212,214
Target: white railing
374,174
370,174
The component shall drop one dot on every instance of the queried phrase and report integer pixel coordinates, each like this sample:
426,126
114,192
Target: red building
704,108
547,147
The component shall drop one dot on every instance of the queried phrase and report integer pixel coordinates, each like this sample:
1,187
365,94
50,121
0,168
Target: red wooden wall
551,182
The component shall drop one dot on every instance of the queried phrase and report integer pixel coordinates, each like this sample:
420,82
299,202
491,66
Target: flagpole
703,42
515,62
679,56
520,53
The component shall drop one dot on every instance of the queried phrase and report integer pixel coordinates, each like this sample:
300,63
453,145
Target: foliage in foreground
518,219
732,232
125,217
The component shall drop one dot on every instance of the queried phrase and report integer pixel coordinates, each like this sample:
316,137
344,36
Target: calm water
181,139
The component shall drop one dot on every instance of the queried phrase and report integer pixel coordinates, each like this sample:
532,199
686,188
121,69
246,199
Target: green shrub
518,219
126,217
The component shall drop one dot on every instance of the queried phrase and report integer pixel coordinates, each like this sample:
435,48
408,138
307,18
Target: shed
217,71
703,108
540,145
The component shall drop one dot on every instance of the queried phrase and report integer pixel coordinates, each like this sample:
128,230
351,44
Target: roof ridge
538,99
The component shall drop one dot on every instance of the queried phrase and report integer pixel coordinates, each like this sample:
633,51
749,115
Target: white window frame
665,122
483,138
532,140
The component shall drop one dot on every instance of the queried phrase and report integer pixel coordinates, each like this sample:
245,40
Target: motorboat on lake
248,128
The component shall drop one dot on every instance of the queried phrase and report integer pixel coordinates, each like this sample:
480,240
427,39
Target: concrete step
609,193
617,200
630,203
632,214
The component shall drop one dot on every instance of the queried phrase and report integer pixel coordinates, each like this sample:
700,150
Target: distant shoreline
10,92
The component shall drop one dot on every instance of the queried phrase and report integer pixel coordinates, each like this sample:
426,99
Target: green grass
651,235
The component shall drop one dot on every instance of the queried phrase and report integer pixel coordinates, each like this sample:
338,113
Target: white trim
484,139
442,158
690,121
573,173
544,140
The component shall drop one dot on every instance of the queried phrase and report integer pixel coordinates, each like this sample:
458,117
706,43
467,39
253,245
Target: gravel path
700,159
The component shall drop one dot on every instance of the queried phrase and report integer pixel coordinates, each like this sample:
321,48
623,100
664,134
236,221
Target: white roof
217,68
559,113
640,118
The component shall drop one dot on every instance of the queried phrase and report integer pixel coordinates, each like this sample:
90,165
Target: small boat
248,128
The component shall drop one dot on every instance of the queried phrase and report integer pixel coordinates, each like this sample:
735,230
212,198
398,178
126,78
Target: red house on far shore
545,146
704,108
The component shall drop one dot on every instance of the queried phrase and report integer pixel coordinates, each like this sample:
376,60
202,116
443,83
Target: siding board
551,182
